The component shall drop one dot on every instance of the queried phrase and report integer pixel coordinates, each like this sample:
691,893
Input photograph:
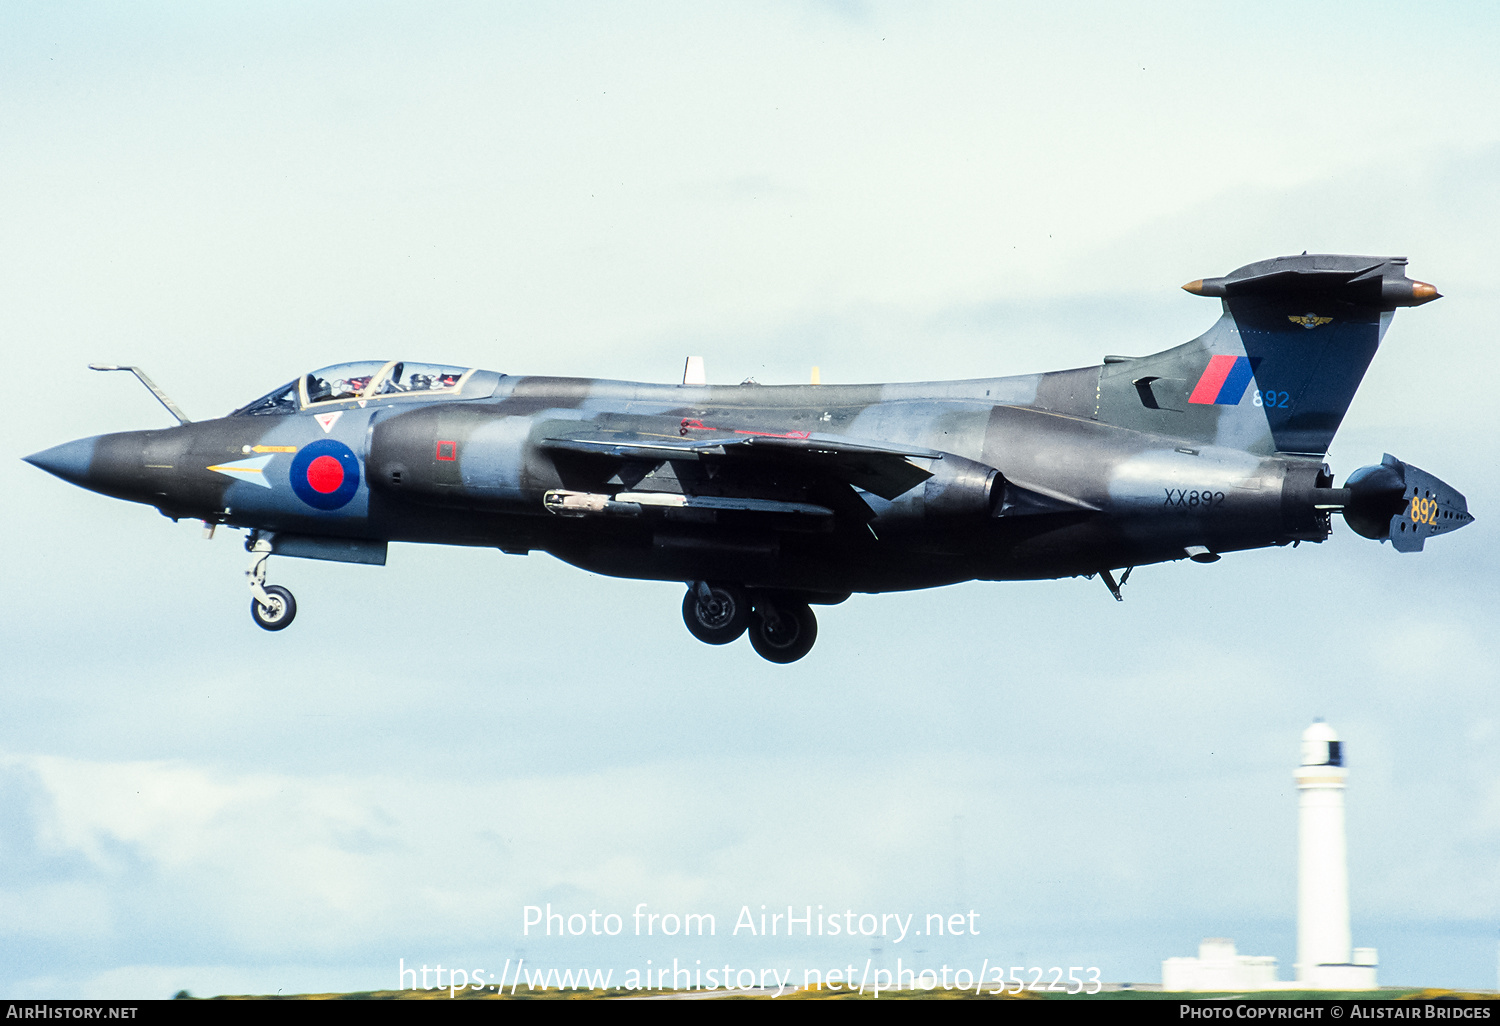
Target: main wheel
721,619
279,614
785,632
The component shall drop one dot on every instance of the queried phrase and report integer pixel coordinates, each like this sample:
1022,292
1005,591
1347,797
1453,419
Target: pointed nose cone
69,461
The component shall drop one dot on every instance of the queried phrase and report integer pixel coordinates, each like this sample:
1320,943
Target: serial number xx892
1201,500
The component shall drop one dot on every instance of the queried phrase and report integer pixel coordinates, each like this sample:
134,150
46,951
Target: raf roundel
325,474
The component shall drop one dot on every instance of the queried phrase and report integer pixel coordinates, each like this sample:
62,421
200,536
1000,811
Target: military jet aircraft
767,500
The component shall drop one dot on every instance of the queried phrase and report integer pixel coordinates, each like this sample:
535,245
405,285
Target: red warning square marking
447,451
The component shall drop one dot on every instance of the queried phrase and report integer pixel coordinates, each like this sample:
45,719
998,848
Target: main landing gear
716,614
271,606
782,629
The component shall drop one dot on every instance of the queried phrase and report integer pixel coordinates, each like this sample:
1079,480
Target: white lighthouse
1324,957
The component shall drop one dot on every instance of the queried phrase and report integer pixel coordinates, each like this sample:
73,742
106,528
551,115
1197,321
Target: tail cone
1401,503
1376,494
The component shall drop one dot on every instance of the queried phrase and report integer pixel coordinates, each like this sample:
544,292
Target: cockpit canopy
362,379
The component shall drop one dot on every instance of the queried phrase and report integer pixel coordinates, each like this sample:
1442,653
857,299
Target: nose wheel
271,606
276,610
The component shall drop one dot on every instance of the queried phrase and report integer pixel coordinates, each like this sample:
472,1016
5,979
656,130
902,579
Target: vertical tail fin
1280,368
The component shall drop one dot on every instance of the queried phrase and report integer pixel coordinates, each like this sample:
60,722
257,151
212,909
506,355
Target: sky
229,195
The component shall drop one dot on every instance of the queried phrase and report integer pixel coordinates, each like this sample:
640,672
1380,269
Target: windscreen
280,400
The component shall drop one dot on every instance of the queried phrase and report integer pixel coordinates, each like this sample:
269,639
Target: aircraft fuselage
766,499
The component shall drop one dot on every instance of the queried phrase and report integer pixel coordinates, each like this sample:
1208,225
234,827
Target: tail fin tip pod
1279,369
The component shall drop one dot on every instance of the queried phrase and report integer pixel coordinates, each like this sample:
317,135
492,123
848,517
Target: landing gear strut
271,607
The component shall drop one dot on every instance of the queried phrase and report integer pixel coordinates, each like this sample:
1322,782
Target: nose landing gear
271,606
782,629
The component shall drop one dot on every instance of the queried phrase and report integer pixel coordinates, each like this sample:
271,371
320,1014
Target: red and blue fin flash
1224,381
